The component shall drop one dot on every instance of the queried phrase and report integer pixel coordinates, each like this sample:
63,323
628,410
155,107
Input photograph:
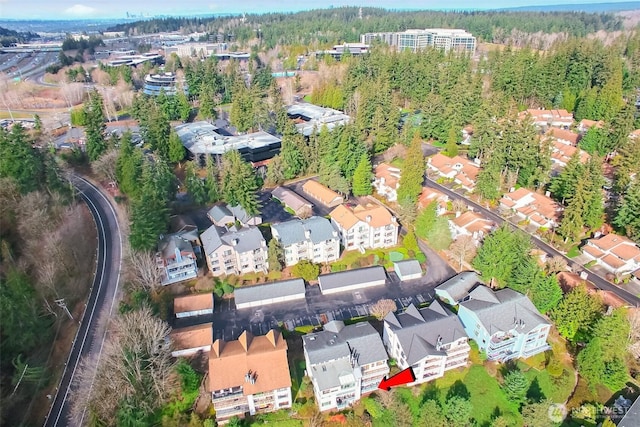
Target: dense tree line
8,37
330,26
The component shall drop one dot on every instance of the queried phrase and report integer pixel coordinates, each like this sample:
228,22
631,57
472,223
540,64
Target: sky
79,9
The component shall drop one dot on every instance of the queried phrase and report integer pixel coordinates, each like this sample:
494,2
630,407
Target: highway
597,280
92,331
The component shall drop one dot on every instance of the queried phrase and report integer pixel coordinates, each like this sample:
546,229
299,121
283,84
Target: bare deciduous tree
383,307
105,166
463,249
135,367
144,271
396,151
459,205
634,333
555,265
305,212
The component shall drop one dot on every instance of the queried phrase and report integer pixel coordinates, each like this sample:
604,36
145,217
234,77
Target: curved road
598,281
90,336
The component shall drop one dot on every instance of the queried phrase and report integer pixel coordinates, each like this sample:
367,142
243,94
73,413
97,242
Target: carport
270,293
351,280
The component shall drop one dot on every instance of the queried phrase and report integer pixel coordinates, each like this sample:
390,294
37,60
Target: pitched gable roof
374,215
421,331
292,232
390,174
503,310
265,357
323,194
459,285
193,303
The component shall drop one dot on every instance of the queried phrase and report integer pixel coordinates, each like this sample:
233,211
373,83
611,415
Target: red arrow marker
400,378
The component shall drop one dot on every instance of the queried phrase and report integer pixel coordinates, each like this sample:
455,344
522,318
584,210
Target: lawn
573,252
384,257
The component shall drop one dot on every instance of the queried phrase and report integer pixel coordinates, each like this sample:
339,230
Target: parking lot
316,309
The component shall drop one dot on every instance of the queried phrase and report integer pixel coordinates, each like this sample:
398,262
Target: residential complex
235,251
417,40
471,224
344,363
549,118
300,206
505,324
365,227
176,259
193,305
430,340
539,210
249,375
191,340
617,254
461,171
387,181
313,239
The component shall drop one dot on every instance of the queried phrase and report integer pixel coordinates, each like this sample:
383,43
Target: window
227,252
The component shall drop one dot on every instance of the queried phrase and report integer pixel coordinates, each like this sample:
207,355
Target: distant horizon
62,10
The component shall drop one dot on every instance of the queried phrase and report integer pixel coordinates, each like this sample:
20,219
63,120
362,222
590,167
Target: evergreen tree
292,160
242,109
239,182
195,184
275,255
19,160
516,386
563,186
412,175
572,224
362,177
595,141
576,312
184,107
488,184
275,172
94,126
451,147
593,215
627,217
206,109
129,167
176,149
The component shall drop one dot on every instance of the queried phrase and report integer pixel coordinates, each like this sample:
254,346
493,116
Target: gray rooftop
503,310
328,374
293,232
269,290
316,117
351,277
219,212
460,285
243,240
418,331
203,138
337,340
407,267
170,242
290,198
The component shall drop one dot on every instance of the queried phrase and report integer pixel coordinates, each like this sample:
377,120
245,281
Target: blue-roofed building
344,363
313,239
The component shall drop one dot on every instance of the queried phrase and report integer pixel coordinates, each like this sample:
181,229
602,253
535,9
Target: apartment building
313,239
176,259
249,375
235,251
431,341
365,227
505,324
344,363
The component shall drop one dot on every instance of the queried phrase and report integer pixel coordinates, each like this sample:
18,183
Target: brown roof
192,336
568,281
264,356
473,222
320,192
540,208
565,135
626,251
390,174
563,152
587,124
610,241
612,261
428,195
375,215
193,303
